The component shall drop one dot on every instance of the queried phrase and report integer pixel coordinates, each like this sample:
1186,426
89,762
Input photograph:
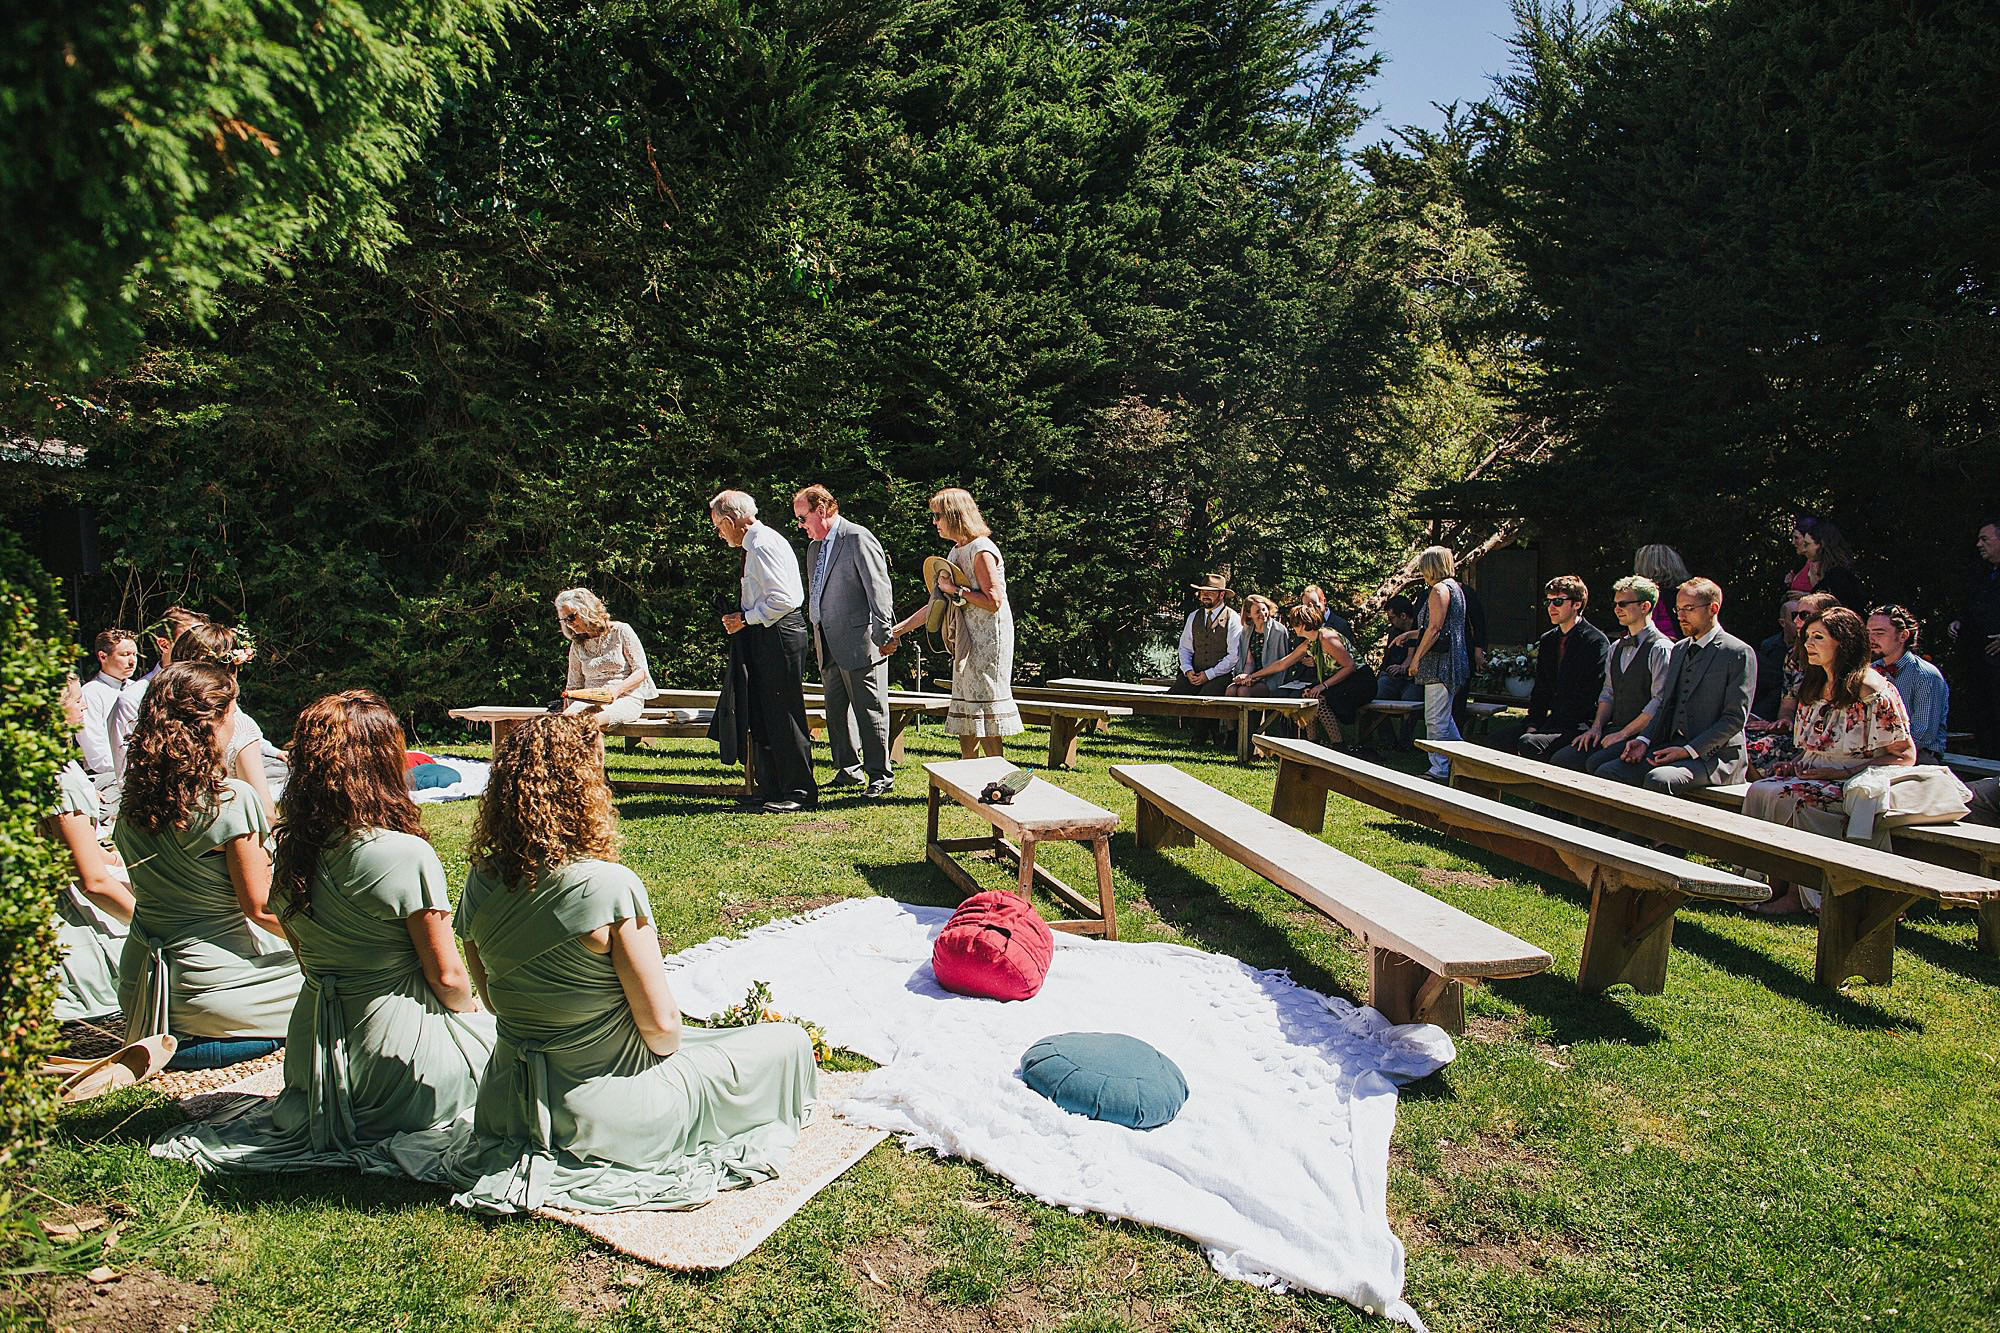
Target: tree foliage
152,155
1758,242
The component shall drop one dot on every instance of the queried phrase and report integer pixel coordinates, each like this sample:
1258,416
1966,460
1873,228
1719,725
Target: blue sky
1434,51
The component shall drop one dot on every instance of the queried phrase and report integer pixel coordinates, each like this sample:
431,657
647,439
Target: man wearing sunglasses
1696,740
1569,671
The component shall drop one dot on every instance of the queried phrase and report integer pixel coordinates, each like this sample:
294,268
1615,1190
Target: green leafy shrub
34,656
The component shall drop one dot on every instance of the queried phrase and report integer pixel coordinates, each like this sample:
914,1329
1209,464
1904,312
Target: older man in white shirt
769,613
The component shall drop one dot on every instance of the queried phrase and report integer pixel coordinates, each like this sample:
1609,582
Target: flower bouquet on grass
757,1008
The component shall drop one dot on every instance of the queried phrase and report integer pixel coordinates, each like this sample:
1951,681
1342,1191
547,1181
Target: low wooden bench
1634,891
1242,711
1421,951
1376,712
1041,812
502,719
1089,683
1865,889
1973,848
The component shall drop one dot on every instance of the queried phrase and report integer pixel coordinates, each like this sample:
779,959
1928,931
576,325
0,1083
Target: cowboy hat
941,603
1213,583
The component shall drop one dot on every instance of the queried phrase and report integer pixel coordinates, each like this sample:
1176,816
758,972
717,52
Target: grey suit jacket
1708,715
854,609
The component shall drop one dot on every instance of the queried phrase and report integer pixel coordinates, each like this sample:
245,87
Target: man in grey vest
1635,680
847,598
1697,739
1211,648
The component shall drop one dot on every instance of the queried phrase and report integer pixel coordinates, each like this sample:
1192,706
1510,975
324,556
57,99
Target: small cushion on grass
995,946
411,758
1106,1076
425,776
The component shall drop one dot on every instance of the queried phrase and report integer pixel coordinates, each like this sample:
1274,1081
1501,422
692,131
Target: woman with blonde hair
981,630
1265,641
385,1037
1441,662
596,1098
1664,566
206,959
605,658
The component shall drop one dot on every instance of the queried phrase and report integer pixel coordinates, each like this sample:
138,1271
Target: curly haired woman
596,1098
243,755
205,960
386,1036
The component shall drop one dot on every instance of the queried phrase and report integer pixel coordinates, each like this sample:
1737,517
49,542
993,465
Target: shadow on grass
1573,1017
916,882
1741,960
1920,936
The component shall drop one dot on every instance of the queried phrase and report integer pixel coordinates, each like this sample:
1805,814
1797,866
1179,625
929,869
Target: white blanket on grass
1278,1163
472,775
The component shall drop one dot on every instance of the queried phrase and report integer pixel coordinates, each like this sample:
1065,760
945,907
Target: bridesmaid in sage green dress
596,1099
206,959
94,912
386,1036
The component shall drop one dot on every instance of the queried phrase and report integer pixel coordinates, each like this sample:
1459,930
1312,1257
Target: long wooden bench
1634,892
1421,952
1866,889
1973,848
1972,767
1375,713
1242,711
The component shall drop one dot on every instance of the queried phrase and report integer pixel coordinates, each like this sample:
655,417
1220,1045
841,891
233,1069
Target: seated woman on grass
386,1036
596,1098
1341,682
244,753
206,959
1849,719
94,912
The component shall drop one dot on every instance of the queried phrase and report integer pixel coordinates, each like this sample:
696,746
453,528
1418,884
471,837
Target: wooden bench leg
931,828
1628,938
1296,798
1157,829
1857,935
1027,882
1407,992
1100,846
1062,742
897,721
1989,928
1243,728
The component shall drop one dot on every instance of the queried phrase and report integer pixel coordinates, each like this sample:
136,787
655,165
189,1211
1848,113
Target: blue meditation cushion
424,776
1106,1076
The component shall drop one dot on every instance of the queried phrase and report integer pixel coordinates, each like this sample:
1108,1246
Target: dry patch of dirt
736,913
1437,877
1490,1030
139,1299
597,1283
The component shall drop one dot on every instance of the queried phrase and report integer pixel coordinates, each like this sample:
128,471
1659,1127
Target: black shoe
786,807
752,802
879,788
845,780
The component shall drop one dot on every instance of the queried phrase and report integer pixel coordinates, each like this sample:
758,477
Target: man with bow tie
1211,648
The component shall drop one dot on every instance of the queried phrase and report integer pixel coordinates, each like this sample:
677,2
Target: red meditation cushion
995,946
414,758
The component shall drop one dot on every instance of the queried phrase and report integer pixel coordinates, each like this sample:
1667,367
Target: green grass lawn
1746,1151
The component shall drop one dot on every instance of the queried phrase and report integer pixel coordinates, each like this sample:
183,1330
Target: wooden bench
1973,848
1378,711
1244,711
1634,892
1421,951
1088,683
1972,767
1041,812
1866,889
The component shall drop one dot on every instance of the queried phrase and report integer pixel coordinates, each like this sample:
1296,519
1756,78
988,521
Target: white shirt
124,717
1659,653
771,586
100,696
1230,657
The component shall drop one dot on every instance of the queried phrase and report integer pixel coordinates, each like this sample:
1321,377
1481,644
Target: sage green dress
87,986
575,1112
193,964
371,1051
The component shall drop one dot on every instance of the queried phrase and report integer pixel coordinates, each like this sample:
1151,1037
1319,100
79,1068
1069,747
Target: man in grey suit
1696,739
847,597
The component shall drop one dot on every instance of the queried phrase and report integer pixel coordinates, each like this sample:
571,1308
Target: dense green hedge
34,656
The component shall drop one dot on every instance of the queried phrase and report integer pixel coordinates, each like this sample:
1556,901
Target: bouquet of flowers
757,1008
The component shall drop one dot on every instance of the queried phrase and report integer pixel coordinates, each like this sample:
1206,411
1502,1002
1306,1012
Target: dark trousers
1983,698
776,655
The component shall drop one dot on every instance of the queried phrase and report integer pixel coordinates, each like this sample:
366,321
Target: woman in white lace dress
981,631
604,654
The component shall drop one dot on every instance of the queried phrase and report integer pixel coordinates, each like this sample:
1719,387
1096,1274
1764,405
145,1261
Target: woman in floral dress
1849,718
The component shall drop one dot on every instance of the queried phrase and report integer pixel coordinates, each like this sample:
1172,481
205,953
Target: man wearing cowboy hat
1211,646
